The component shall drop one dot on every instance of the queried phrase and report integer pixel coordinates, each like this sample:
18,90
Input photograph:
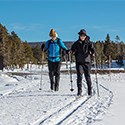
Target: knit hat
53,33
82,31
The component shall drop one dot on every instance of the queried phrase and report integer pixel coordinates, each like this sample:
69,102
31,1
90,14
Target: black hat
82,31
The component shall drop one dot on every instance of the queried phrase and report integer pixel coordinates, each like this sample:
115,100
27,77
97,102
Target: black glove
63,52
67,51
42,47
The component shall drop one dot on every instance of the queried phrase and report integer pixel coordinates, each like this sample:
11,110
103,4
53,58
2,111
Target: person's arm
73,48
92,48
43,47
62,45
46,46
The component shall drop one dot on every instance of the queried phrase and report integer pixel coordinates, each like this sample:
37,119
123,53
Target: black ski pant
54,74
83,68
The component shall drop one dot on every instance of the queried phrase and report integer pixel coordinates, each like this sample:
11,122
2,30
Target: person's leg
79,70
86,68
51,74
57,75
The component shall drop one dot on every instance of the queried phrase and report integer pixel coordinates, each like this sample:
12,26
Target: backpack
58,43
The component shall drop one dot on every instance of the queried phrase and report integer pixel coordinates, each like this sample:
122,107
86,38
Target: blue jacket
53,48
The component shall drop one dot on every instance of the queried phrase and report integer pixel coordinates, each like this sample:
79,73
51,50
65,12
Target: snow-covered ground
115,114
22,103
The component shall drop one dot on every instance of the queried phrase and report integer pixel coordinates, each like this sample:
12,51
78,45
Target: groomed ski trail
91,111
83,110
62,114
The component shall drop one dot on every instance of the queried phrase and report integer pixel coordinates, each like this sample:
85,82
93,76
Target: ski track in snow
24,104
63,113
83,111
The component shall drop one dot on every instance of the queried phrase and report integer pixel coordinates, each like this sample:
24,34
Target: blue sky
33,19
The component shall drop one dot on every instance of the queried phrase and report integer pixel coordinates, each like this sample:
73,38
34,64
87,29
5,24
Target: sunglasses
82,35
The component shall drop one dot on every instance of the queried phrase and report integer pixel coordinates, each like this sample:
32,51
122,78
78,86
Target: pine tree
17,51
28,54
108,49
100,57
37,53
4,46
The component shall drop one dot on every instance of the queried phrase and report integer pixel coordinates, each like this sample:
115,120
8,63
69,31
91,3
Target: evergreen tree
121,53
100,57
28,54
117,39
18,50
4,46
108,49
37,53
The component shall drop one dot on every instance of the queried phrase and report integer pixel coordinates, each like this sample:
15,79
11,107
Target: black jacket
83,50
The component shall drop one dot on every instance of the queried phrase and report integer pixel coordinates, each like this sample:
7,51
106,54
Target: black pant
54,75
83,68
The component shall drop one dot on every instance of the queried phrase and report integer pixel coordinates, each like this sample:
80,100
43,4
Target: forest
15,53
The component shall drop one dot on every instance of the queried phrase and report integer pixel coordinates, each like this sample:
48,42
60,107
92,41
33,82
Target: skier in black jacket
83,49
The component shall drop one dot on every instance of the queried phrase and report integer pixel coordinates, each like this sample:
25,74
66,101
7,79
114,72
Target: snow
115,114
22,103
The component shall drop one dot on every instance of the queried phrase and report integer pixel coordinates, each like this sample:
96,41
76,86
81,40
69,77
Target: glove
42,47
67,51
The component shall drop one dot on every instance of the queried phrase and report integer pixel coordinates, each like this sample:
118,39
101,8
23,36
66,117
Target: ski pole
41,78
71,81
65,58
97,85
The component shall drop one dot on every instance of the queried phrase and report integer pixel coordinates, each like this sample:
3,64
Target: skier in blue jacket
53,46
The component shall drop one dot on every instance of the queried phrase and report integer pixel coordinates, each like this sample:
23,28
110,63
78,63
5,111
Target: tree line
108,50
15,53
